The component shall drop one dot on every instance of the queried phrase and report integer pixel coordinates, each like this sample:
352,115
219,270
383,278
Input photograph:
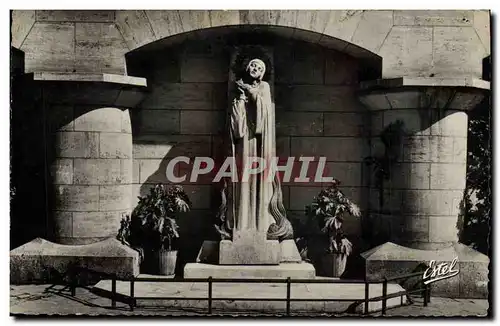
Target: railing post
113,291
210,295
367,293
384,295
426,297
132,294
428,292
73,280
288,292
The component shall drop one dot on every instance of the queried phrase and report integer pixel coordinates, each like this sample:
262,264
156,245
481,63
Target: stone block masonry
445,43
429,177
93,161
89,153
317,114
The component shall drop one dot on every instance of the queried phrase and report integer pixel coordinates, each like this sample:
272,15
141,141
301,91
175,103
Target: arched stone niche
317,113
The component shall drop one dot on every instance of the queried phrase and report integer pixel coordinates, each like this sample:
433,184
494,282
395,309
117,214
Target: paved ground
56,300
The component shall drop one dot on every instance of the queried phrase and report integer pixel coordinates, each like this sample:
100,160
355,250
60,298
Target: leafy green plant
327,210
153,222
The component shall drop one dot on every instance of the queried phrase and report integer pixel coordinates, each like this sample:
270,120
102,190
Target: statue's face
256,69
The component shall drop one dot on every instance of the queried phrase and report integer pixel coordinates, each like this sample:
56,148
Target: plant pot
159,262
166,261
333,265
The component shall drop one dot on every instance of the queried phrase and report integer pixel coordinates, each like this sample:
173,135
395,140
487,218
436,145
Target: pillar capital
102,89
461,94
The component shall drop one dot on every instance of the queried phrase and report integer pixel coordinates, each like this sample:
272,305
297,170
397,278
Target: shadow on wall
431,134
28,201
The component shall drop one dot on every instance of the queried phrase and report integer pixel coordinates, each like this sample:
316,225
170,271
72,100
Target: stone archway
315,86
342,29
411,43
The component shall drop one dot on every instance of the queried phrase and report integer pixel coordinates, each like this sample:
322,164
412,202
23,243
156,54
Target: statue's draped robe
256,203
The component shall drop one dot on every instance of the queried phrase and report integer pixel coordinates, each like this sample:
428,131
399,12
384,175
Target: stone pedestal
210,252
227,259
249,248
280,271
422,199
88,153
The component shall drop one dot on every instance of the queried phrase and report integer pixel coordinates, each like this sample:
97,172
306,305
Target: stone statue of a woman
253,204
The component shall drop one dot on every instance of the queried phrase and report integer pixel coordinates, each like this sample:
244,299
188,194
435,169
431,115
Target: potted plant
327,214
152,228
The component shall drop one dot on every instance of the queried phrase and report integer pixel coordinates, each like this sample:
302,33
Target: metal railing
132,299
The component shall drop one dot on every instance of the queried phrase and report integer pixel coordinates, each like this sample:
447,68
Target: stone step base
353,291
294,270
210,253
42,261
390,259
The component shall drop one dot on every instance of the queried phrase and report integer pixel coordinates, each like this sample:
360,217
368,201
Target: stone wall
183,115
91,172
317,115
441,43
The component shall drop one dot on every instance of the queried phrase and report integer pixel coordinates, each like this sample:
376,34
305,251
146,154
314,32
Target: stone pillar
88,158
422,197
92,174
426,183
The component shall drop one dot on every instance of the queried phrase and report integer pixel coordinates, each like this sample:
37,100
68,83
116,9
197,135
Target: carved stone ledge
88,89
423,92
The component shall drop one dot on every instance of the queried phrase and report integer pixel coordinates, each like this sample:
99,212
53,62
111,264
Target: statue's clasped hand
245,90
243,95
242,85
